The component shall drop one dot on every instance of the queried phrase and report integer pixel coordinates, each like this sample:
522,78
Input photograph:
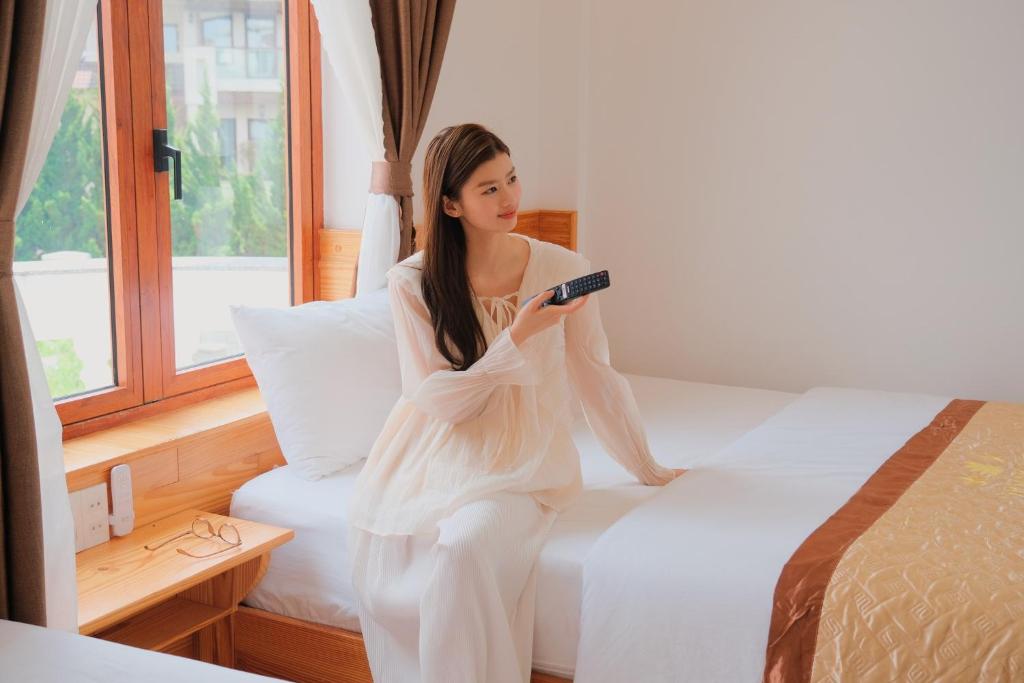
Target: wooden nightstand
163,600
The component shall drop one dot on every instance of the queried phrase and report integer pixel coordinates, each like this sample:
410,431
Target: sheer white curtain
64,35
346,30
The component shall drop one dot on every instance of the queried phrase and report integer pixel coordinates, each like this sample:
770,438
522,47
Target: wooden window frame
140,249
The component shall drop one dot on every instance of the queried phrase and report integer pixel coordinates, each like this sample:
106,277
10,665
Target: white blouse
504,423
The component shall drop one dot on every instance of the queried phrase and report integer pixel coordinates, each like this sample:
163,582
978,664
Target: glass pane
227,143
60,258
171,39
216,31
230,232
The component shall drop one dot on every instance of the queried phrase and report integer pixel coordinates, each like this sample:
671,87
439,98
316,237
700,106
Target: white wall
800,193
491,76
562,119
787,194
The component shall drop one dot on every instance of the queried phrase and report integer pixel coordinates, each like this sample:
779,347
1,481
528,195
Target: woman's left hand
670,475
678,471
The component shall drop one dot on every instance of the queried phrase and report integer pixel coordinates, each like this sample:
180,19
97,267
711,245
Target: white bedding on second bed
687,423
32,654
698,565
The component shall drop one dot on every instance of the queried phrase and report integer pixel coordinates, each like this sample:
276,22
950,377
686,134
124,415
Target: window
128,289
61,244
230,232
216,30
261,47
171,39
260,133
227,144
261,32
259,130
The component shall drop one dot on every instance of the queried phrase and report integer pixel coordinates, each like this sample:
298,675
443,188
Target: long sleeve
427,378
606,396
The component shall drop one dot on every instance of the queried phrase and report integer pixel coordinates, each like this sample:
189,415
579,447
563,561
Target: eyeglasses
202,528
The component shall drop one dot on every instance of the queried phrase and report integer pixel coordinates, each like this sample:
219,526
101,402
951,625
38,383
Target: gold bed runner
920,575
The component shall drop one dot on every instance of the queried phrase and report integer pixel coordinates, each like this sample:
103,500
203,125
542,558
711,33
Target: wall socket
92,521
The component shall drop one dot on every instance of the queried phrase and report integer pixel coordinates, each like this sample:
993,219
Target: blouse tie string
502,311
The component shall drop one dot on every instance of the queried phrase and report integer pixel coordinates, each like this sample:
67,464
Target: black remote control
567,291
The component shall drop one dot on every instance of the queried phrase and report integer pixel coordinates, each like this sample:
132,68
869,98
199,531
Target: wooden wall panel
190,458
339,253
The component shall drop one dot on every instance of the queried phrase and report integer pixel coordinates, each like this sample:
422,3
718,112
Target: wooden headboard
339,249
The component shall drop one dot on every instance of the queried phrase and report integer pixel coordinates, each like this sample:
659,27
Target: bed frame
275,645
303,651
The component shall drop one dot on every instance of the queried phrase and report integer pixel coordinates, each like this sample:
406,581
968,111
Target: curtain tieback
392,177
6,247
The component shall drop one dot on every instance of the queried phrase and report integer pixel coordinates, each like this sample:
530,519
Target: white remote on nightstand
122,517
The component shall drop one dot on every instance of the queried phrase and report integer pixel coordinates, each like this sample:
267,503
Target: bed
687,424
837,535
777,558
855,535
42,655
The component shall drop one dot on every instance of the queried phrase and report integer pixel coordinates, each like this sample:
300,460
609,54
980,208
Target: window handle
161,152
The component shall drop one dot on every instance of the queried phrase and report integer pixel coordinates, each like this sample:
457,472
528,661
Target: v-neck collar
526,272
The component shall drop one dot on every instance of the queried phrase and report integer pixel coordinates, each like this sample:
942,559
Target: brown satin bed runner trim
800,591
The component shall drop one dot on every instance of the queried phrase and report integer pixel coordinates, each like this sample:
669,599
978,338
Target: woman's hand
532,319
670,475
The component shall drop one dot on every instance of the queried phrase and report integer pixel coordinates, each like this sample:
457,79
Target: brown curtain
22,593
411,37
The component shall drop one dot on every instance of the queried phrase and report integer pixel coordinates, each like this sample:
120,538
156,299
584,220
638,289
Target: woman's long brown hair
451,158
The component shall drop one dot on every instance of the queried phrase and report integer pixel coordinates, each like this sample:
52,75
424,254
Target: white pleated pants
456,606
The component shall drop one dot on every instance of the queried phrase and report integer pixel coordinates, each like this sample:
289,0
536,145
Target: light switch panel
92,523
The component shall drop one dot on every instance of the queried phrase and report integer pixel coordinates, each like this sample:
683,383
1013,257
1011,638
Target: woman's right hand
532,318
670,474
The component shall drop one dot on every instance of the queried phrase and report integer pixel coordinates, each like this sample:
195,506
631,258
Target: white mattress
687,423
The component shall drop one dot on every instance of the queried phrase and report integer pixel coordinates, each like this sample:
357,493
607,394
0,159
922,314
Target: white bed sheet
696,566
687,424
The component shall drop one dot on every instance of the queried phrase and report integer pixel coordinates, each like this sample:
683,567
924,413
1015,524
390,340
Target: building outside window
217,31
261,44
171,39
228,144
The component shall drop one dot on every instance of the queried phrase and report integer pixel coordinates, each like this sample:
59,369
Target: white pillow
328,371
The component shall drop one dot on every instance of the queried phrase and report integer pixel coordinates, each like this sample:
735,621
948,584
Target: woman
475,460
